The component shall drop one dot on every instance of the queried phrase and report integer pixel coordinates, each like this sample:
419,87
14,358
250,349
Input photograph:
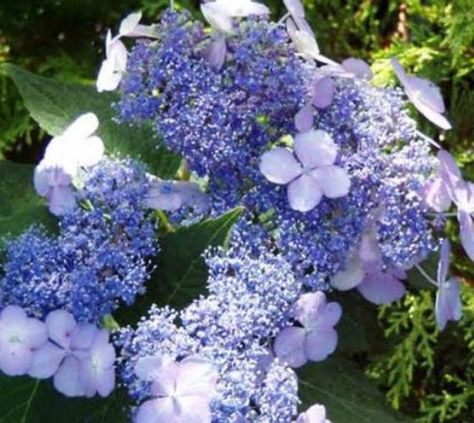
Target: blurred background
426,374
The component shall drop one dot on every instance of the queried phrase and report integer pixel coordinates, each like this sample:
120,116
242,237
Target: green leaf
358,329
55,105
347,394
25,400
20,206
181,272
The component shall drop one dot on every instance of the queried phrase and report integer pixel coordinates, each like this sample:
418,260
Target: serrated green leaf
26,400
348,395
55,105
181,272
20,206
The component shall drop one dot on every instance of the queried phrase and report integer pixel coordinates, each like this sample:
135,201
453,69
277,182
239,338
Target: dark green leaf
25,400
181,272
20,206
54,105
348,395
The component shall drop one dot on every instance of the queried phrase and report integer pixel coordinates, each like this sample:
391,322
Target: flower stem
426,275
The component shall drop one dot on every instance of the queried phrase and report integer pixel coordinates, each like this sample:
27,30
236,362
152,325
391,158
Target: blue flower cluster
249,301
218,120
101,256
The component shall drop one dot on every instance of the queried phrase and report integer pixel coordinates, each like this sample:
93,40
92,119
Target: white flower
115,64
76,147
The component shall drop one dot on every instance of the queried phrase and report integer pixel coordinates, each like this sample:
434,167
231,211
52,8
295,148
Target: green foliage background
427,375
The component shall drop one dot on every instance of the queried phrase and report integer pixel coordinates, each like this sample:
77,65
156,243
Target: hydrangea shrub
209,198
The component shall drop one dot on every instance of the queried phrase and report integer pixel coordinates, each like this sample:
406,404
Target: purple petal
289,346
449,170
448,303
466,225
216,53
436,195
435,117
358,67
315,148
197,377
308,308
444,261
304,193
60,325
46,361
304,119
279,166
61,199
427,93
333,180
369,250
83,336
323,92
381,288
150,368
349,277
67,379
463,196
102,352
320,344
15,358
157,411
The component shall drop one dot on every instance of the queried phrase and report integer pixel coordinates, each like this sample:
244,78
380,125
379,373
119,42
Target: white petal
197,377
279,166
90,151
216,18
315,148
333,180
83,127
130,23
304,193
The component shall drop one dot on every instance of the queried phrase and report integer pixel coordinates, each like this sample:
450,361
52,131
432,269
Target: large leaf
54,105
20,206
25,400
348,395
181,272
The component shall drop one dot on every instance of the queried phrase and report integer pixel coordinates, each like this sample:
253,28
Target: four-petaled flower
182,390
76,147
310,176
365,271
316,339
78,355
424,95
20,336
448,186
448,303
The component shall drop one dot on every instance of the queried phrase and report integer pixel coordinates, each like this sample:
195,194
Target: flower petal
67,379
381,288
217,18
466,225
279,166
320,344
46,361
351,276
427,93
156,411
197,377
304,193
129,24
60,325
61,199
315,148
216,53
333,180
304,119
448,303
436,195
83,127
15,359
289,346
323,92
90,151
444,261
358,67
